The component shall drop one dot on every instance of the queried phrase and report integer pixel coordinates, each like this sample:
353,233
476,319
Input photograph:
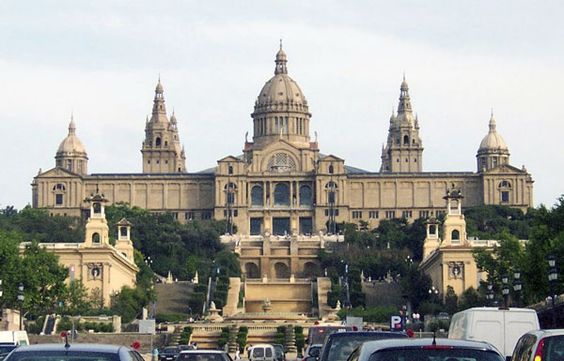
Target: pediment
57,172
230,159
504,169
331,158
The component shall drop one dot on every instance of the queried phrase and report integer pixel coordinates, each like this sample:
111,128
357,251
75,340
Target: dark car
426,349
203,355
77,351
169,353
5,349
338,346
545,345
279,352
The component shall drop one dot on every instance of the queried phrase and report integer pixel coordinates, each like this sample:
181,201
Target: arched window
311,270
230,189
230,169
331,188
252,270
282,194
158,142
432,229
281,270
257,198
96,238
331,169
123,231
405,140
59,187
281,162
97,207
306,195
455,235
504,184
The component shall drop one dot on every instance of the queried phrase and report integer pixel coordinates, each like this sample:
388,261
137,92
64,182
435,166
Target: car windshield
4,349
63,356
173,349
553,348
192,356
450,354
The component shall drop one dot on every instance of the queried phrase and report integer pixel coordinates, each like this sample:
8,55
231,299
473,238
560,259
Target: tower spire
492,123
404,100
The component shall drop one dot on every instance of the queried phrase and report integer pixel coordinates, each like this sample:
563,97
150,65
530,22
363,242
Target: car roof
262,345
547,332
370,347
202,351
362,333
105,348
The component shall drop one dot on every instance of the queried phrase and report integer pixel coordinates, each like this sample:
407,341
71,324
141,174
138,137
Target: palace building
282,184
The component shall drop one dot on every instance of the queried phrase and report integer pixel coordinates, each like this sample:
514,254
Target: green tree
75,299
451,301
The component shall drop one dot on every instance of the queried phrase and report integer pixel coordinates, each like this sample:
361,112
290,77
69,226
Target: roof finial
72,126
492,122
280,61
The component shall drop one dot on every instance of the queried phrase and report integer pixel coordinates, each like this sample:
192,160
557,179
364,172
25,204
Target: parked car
425,349
500,327
313,350
203,355
279,352
262,352
338,346
169,353
545,345
72,352
14,337
5,349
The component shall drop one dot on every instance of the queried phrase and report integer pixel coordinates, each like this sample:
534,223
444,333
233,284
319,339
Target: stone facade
447,258
282,184
103,269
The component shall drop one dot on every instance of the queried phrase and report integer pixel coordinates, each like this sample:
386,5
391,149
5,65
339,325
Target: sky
100,60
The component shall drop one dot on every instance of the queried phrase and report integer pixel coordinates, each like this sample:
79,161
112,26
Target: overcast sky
101,60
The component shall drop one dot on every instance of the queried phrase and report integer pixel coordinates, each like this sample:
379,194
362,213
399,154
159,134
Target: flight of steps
173,297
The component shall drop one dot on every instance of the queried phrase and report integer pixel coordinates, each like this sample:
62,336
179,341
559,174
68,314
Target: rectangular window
357,214
423,214
206,215
334,211
189,216
256,226
406,214
373,214
175,215
390,214
505,196
59,199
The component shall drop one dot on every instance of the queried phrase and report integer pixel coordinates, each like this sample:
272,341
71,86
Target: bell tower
124,245
454,226
97,232
161,149
403,152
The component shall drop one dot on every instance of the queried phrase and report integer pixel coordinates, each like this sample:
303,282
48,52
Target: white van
500,327
14,337
262,352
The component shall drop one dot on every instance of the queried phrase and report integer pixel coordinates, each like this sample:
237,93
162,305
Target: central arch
281,270
252,270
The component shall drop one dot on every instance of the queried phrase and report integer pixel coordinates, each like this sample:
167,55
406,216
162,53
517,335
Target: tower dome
493,140
493,150
71,154
281,109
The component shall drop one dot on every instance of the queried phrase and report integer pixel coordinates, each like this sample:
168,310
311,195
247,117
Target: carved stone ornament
456,270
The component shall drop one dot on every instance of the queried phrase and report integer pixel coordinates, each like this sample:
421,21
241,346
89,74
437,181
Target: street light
505,290
433,295
490,294
21,298
552,279
517,286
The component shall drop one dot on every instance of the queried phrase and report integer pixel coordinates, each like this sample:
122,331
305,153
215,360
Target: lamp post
490,294
517,286
21,298
552,279
505,290
433,295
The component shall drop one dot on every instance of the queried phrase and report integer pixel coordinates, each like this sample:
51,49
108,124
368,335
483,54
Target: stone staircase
173,297
382,293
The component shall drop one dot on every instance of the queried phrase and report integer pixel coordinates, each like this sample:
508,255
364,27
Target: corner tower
71,154
162,152
403,152
493,151
281,110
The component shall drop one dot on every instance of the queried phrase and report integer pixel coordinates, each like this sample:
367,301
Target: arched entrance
311,270
252,270
281,270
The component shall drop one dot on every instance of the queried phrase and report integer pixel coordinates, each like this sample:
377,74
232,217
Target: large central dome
281,109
